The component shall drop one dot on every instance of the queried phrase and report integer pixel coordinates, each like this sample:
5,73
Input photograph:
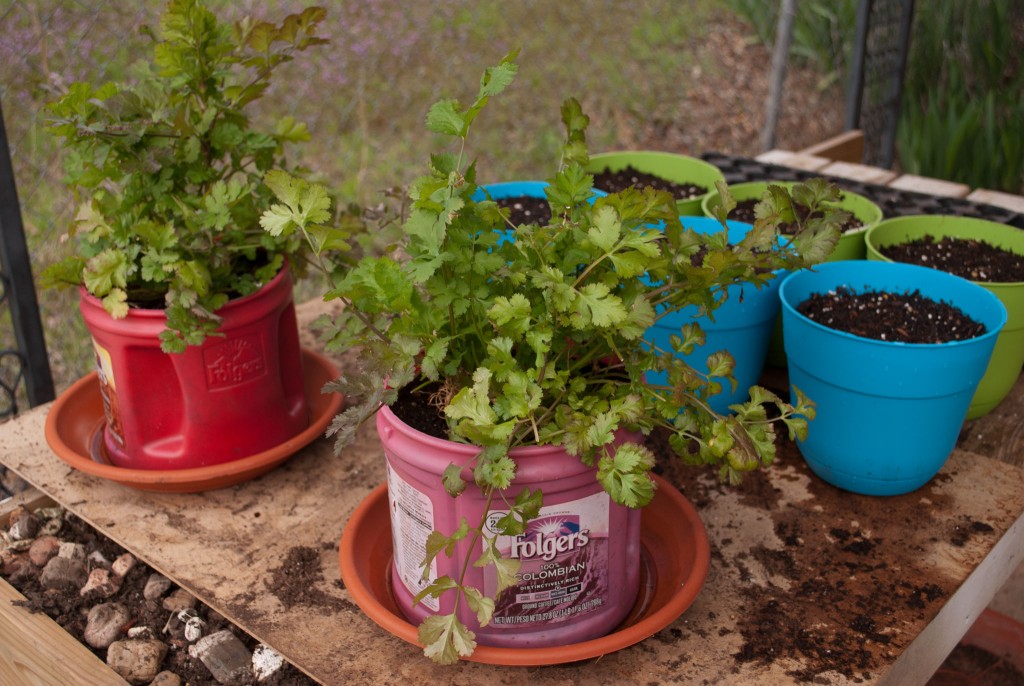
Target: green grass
366,94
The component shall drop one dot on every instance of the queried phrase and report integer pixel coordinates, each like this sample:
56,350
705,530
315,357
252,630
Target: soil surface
615,181
884,316
525,209
971,259
419,409
837,573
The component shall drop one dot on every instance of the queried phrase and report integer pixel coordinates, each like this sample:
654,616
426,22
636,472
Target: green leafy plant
169,171
539,340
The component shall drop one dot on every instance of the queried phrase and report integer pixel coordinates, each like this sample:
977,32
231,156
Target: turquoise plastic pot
849,247
742,325
1008,356
888,414
666,165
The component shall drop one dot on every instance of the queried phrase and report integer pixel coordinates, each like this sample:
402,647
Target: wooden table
865,590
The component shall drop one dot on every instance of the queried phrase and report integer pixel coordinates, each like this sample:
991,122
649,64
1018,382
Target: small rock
101,583
11,563
15,514
97,559
137,662
24,527
43,550
166,679
63,572
123,564
51,526
179,600
156,586
104,624
141,632
227,658
72,551
193,628
266,662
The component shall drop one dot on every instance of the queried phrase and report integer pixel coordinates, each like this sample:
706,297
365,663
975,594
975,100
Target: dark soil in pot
418,407
744,212
615,181
968,258
885,316
526,210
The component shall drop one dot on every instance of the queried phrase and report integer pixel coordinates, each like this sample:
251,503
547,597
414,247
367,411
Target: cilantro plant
169,171
539,340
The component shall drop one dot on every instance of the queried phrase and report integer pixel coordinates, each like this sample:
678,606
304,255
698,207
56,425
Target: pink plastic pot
580,559
233,396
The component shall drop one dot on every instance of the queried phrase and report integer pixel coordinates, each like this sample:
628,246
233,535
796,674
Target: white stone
101,583
72,551
104,624
227,658
123,564
138,662
156,586
266,662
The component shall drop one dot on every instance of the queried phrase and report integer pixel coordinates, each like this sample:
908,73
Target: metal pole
15,264
780,54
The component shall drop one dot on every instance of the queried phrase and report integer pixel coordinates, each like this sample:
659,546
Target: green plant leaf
445,639
480,604
444,118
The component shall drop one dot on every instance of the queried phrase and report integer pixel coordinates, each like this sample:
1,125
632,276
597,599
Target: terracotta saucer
674,564
76,421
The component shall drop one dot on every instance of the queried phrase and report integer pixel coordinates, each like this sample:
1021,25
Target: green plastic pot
666,165
849,247
851,244
1005,365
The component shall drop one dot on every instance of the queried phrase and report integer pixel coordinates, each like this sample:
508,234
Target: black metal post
17,268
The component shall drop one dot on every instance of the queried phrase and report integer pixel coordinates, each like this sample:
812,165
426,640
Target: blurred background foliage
686,76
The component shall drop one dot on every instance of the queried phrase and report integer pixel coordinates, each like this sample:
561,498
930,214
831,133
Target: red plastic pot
237,394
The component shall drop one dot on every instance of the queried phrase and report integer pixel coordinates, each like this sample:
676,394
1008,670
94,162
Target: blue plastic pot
888,413
742,325
518,189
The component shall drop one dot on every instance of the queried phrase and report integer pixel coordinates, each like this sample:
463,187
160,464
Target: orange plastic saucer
674,564
76,421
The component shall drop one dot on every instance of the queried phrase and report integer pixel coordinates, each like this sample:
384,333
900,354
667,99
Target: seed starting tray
894,202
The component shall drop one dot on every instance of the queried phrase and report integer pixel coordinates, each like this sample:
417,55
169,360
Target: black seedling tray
894,202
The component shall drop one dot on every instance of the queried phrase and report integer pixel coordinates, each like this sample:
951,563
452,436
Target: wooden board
923,184
36,650
997,198
794,160
782,534
860,172
847,146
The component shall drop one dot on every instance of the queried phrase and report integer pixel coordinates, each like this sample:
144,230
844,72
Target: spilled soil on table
816,592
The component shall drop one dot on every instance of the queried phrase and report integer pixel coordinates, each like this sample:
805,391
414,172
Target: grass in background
963,110
823,31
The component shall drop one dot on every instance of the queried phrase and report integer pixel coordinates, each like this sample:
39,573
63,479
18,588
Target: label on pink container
412,520
563,556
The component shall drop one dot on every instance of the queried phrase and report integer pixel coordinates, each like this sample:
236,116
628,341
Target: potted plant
854,213
890,402
188,301
689,179
527,359
860,213
1008,356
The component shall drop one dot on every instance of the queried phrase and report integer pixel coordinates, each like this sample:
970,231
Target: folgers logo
548,538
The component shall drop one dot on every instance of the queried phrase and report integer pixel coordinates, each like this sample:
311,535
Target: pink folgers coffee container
238,394
580,558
